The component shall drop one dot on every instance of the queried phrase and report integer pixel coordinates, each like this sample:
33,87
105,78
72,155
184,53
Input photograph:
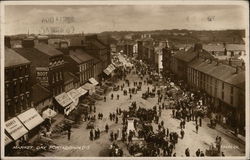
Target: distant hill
174,35
186,36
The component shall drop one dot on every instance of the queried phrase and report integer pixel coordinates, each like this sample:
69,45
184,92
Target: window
232,90
53,79
61,77
21,86
7,91
57,77
14,89
231,99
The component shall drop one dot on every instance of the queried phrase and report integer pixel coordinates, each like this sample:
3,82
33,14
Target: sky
45,19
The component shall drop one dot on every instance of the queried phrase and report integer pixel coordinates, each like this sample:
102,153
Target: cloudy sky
98,18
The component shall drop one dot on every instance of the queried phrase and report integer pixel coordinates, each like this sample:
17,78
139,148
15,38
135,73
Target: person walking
130,96
91,135
69,133
104,98
202,154
106,128
200,121
197,128
116,119
112,96
182,133
198,152
111,136
167,132
187,152
222,154
117,96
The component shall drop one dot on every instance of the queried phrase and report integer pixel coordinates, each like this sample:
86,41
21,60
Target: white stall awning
30,118
15,128
93,81
63,99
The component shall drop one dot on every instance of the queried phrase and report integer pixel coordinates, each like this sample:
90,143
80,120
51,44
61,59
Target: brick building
47,65
17,84
224,86
80,64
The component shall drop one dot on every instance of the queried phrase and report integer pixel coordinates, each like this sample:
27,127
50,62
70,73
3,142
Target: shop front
74,95
93,81
16,130
31,119
63,100
89,87
7,139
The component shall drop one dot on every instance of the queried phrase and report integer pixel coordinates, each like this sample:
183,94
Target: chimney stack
28,42
197,47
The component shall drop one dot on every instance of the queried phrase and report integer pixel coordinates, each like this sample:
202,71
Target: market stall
89,87
64,101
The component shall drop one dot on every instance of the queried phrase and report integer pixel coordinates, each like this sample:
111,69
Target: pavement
81,146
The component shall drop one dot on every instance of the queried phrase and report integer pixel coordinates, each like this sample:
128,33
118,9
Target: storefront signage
42,75
15,128
30,118
63,99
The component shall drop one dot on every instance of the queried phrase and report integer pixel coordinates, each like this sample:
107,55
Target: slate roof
80,56
235,47
12,58
38,58
47,49
222,72
98,44
39,93
185,56
213,47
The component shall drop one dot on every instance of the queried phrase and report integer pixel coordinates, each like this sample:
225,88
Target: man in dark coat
187,152
182,133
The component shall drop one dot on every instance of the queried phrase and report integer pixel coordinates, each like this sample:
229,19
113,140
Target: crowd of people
186,107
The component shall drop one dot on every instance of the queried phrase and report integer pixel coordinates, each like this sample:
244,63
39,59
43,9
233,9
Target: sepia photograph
127,79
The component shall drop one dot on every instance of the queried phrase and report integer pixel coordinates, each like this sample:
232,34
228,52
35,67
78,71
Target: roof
235,47
38,58
186,56
12,58
223,72
76,40
96,60
68,77
213,47
183,46
79,56
39,93
47,49
98,44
